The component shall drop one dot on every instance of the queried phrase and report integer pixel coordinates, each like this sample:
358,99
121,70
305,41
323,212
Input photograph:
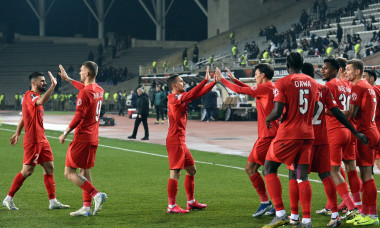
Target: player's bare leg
172,192
192,204
48,168
342,189
83,183
26,171
251,169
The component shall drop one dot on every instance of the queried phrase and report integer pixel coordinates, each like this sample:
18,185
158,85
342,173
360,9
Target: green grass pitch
134,175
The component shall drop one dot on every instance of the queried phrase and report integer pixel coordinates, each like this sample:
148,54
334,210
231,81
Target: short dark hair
172,79
308,69
294,61
371,73
266,69
35,75
342,62
357,64
92,67
333,63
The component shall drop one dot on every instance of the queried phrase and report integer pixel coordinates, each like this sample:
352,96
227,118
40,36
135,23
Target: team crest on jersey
254,87
354,96
34,97
275,92
178,96
79,103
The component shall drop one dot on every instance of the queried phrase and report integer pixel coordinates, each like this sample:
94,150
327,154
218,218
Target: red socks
370,192
189,186
16,185
50,185
275,190
305,197
330,191
294,196
342,190
89,188
86,199
172,191
259,185
355,185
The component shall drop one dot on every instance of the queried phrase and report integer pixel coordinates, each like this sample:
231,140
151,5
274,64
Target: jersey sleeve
188,96
254,91
205,89
31,99
82,104
279,91
356,96
329,98
240,83
78,85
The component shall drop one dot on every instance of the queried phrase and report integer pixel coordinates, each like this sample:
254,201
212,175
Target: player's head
176,83
329,69
37,81
89,69
158,88
140,91
263,70
294,62
354,69
308,69
370,76
342,64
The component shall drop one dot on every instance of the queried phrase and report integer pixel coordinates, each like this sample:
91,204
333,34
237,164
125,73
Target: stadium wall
161,43
58,40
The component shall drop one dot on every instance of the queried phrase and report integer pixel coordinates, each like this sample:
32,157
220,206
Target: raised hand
207,76
13,141
230,74
63,74
53,80
217,75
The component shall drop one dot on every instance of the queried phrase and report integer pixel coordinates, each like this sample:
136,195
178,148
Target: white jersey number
98,108
303,101
345,101
316,120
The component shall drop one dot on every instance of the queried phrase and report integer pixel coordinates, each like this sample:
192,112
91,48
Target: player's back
326,100
299,93
33,118
177,114
342,95
89,103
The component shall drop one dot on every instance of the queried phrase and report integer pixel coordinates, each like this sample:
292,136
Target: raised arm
235,80
13,141
194,93
44,98
237,88
65,77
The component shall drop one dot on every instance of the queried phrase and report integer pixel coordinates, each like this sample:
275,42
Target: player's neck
89,81
36,90
176,92
357,79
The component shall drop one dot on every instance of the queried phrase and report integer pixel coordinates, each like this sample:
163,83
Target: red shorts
339,143
260,150
81,155
292,151
350,153
366,154
37,153
320,159
179,156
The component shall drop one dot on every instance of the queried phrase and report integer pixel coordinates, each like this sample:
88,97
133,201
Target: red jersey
177,111
264,104
87,114
364,96
342,95
377,115
299,93
33,115
326,100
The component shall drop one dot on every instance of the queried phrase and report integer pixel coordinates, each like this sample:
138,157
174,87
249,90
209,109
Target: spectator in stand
316,6
100,50
339,33
211,60
304,19
195,54
114,51
165,66
234,51
322,10
91,56
210,104
232,38
154,66
184,54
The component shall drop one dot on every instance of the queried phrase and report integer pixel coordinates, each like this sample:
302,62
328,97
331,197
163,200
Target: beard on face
41,88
